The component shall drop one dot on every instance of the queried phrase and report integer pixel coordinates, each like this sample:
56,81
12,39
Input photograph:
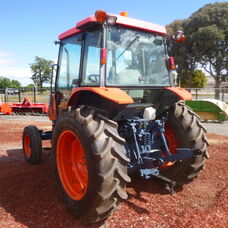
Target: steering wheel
94,78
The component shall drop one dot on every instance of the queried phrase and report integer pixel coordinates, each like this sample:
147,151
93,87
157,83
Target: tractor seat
128,77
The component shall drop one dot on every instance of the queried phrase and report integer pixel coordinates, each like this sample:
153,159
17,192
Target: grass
40,97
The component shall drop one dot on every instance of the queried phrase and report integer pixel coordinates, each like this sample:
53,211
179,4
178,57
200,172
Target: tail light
103,55
171,63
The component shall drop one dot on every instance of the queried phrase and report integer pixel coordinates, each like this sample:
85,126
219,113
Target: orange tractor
116,113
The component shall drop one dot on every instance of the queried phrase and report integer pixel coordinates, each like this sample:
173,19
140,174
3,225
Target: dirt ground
29,196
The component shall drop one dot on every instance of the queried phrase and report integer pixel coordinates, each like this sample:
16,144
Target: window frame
130,87
84,56
60,55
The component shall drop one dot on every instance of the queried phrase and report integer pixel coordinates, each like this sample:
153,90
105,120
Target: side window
69,62
91,66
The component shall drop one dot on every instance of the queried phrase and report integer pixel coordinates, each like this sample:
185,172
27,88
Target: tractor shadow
156,189
29,195
151,185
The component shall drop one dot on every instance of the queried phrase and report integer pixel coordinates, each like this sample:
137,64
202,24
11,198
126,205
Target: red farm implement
27,107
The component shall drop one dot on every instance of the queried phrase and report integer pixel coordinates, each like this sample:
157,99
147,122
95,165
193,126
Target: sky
29,27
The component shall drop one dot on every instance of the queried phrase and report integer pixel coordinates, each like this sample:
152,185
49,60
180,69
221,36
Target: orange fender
183,94
113,94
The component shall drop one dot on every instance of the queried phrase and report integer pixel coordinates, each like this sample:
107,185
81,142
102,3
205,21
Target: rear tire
104,157
189,133
32,146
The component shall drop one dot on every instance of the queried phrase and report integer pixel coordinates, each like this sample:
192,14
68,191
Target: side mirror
179,36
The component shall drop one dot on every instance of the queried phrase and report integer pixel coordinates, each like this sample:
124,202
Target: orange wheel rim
27,145
172,142
71,165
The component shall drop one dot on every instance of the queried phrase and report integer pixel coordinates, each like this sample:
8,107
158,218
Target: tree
185,60
195,79
41,69
185,78
206,43
174,26
15,84
199,79
5,82
30,86
208,28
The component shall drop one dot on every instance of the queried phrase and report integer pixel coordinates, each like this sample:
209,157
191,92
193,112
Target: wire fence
207,93
42,96
17,95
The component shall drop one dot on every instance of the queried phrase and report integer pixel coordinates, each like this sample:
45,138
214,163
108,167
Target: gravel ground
25,118
217,128
29,197
213,128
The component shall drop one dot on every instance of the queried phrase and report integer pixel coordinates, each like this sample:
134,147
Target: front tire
88,152
32,145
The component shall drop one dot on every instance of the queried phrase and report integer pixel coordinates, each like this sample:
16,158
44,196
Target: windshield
136,58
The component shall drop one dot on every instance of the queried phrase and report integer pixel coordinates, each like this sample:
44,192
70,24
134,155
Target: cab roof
121,20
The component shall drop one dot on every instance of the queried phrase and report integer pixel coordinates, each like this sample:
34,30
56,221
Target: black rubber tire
106,162
190,134
35,145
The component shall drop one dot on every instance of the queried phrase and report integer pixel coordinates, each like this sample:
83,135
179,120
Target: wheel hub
27,145
71,164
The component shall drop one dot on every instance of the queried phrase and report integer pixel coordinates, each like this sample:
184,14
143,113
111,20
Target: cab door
78,65
68,74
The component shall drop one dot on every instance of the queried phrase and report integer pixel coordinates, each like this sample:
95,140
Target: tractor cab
105,52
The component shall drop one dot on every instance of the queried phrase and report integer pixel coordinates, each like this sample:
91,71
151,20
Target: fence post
222,94
6,98
34,94
19,95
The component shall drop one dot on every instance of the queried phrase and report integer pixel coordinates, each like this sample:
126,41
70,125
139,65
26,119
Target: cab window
69,66
91,62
